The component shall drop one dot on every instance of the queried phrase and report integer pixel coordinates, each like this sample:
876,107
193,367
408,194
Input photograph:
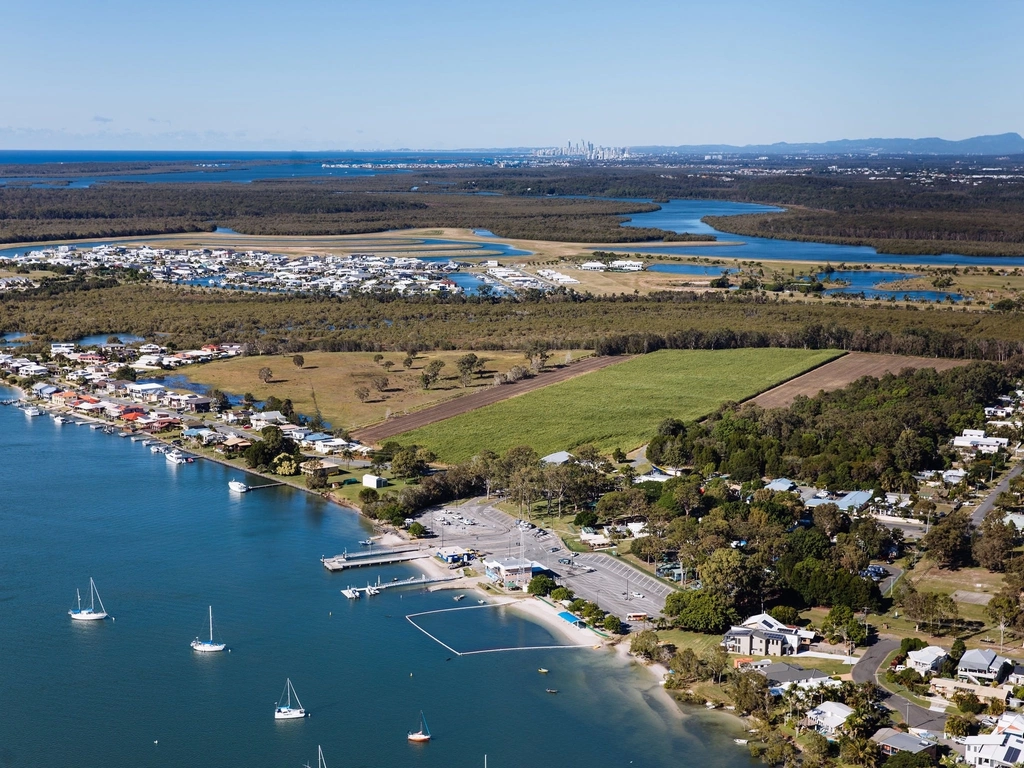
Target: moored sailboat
208,646
286,711
90,613
423,734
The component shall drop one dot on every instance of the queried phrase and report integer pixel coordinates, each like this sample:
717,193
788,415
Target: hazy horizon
380,76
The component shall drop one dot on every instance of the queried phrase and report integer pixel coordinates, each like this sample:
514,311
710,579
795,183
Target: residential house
978,665
976,440
947,689
763,635
145,392
926,660
828,718
267,419
319,467
890,741
782,676
1002,748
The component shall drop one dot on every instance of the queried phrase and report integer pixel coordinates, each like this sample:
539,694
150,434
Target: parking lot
594,576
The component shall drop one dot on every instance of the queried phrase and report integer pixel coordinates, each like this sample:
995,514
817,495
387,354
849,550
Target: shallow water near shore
164,541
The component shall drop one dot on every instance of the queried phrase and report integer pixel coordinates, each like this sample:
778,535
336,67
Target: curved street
867,670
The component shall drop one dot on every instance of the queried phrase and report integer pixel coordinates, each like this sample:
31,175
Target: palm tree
348,454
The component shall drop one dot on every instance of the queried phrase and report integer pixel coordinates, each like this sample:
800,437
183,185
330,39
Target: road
990,501
479,399
867,670
593,576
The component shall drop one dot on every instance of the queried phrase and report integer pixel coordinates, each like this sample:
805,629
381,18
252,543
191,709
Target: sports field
619,406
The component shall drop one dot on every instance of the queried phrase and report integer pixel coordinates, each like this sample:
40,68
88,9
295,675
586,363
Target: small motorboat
542,671
551,690
237,486
366,542
458,597
742,741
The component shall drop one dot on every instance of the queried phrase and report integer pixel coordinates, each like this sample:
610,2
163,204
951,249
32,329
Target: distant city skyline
461,74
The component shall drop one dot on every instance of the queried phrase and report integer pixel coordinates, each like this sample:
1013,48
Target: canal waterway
165,541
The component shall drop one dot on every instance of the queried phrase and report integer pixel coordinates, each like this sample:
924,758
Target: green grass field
619,406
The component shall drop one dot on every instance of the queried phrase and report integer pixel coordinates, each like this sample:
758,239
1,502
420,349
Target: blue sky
356,74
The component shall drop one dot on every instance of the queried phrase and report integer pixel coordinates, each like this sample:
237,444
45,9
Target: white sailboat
422,736
286,711
320,762
208,646
90,613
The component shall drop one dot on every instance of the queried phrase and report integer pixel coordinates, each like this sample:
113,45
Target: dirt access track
480,398
845,370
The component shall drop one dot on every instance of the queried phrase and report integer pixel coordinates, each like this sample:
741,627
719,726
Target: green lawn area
619,406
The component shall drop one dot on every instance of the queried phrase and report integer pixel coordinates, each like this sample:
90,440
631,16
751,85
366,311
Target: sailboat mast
96,592
211,623
78,592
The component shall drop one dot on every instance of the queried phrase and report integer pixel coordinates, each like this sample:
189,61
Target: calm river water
164,541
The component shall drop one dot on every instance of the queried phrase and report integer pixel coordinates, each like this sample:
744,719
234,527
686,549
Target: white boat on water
90,613
175,457
58,419
286,711
238,486
371,590
208,646
31,410
156,448
423,734
351,593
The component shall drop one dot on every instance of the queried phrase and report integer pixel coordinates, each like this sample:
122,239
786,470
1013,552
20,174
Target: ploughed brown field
480,398
845,370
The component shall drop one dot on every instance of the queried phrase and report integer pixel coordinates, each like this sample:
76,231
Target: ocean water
164,541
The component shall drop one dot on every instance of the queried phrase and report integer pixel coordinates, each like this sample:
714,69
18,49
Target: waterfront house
63,397
982,665
829,718
233,445
145,392
319,467
764,635
782,675
927,659
890,741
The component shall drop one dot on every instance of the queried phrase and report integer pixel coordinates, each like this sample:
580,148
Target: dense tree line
324,208
282,324
874,433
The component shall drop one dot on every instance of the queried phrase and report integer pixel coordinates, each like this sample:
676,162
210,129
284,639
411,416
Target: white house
764,635
829,717
927,659
1000,749
976,440
267,419
592,266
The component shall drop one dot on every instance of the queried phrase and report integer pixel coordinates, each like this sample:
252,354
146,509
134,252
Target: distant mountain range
1001,144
